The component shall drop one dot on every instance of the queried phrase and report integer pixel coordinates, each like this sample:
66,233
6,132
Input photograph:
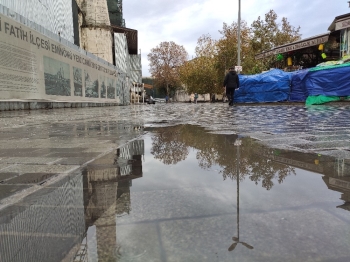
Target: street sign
238,68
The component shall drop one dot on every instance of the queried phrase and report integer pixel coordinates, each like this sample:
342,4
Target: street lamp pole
143,93
239,34
236,240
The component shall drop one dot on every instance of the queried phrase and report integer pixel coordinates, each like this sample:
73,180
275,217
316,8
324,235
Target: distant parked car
150,100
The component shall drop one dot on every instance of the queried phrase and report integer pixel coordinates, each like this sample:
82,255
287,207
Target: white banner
238,68
33,66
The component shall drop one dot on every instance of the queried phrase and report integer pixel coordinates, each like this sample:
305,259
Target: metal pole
239,34
134,92
238,192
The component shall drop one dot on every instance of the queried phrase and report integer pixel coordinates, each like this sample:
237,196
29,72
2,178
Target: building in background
56,16
97,26
340,28
103,33
95,29
309,52
115,10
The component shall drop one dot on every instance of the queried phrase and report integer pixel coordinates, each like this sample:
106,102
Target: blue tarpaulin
298,91
329,82
277,85
271,86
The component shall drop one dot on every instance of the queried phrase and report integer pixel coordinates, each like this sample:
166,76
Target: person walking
195,98
231,82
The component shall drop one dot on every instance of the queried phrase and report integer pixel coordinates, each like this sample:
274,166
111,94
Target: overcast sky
184,21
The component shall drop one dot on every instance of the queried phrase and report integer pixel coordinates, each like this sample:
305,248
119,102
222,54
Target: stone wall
96,36
35,68
97,41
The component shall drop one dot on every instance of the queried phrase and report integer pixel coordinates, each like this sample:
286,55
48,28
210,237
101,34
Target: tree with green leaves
171,145
205,73
199,74
227,49
164,61
268,33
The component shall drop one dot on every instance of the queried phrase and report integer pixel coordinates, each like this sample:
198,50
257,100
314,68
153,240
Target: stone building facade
95,28
56,16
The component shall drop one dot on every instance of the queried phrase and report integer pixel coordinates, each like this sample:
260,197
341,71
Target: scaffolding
115,10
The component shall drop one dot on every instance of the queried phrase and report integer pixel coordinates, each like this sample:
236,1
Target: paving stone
17,152
4,166
40,168
73,161
4,176
9,190
29,178
29,160
294,220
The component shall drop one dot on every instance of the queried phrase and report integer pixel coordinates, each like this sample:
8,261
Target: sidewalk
39,147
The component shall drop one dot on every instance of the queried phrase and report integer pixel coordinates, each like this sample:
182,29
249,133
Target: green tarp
318,100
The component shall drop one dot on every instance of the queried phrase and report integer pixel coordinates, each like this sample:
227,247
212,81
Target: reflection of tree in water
168,147
264,169
171,145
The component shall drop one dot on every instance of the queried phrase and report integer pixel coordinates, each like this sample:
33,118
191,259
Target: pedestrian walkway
39,147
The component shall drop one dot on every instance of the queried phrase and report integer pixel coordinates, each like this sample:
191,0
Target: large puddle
183,194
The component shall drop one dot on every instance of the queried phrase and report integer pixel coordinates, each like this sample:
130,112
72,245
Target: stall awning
340,22
304,43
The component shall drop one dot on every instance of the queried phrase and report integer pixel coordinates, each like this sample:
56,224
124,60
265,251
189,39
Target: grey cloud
152,18
154,9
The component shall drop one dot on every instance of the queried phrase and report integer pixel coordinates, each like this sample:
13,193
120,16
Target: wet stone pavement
176,182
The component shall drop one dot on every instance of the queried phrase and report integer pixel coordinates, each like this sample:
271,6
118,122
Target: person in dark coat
231,82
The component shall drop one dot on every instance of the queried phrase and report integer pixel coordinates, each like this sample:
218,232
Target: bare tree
164,61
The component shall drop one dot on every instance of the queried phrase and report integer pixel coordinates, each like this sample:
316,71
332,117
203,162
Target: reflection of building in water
107,184
327,165
342,185
45,225
336,171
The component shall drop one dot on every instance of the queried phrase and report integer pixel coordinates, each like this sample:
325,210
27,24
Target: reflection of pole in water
237,143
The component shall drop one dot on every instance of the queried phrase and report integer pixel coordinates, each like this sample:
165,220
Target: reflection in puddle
182,194
107,183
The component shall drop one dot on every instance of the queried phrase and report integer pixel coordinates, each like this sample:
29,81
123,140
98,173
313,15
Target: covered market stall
314,70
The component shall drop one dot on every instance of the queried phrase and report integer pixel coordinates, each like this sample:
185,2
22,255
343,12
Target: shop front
310,52
340,28
325,60
301,54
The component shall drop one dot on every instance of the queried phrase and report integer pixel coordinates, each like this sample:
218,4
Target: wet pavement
176,182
